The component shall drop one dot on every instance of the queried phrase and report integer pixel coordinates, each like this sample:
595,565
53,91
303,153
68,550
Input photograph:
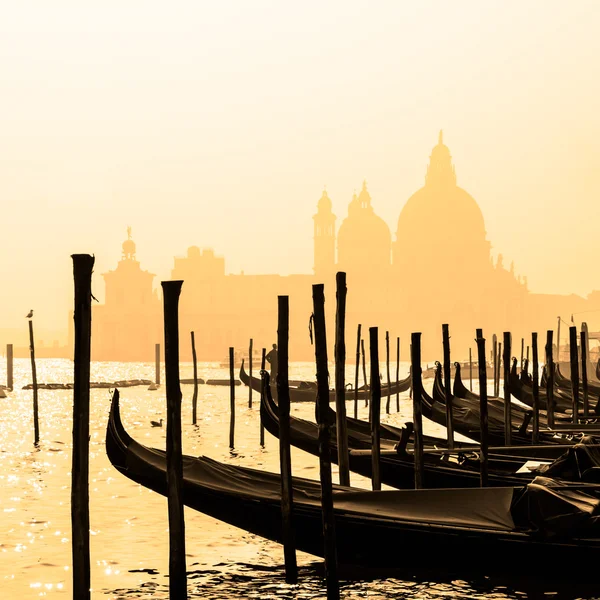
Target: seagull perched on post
29,314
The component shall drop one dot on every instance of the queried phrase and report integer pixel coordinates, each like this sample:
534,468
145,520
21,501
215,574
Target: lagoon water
129,528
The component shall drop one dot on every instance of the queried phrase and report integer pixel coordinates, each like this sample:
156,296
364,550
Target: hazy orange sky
218,123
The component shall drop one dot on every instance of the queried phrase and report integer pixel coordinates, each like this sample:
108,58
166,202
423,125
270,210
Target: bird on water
156,423
29,314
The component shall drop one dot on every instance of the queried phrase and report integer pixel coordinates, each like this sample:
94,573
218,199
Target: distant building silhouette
438,270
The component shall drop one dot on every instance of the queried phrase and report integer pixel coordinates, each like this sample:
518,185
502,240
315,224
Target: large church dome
441,220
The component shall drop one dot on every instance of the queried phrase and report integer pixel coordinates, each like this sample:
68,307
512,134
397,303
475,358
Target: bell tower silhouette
324,238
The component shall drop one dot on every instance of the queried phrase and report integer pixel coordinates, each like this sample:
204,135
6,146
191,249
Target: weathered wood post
415,370
285,458
263,361
356,372
195,396
497,382
574,372
364,368
9,366
157,364
584,377
80,462
550,379
231,398
397,374
177,567
536,389
36,425
558,341
340,381
387,366
250,373
507,395
447,384
527,353
470,371
483,407
330,553
495,361
375,408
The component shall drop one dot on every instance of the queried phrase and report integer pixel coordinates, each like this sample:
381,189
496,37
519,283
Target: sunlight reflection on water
129,534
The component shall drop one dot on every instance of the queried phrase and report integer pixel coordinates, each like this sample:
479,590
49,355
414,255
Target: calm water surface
129,532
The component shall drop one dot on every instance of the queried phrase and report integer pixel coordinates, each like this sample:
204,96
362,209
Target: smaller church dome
128,246
324,204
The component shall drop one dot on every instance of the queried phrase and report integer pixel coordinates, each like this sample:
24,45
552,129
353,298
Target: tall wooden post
177,568
250,373
263,361
558,341
495,361
584,377
36,425
507,395
80,463
387,365
536,389
397,374
356,372
330,552
231,398
9,366
574,372
550,378
497,382
415,370
285,459
364,368
483,407
375,408
470,371
157,364
340,380
195,396
447,384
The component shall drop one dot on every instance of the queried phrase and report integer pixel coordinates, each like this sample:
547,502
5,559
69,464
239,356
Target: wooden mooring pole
340,382
9,366
375,408
36,425
356,372
536,389
195,396
330,549
263,361
250,373
499,363
574,372
364,368
507,395
231,398
285,458
387,367
157,364
177,567
494,363
449,418
522,352
80,462
470,371
584,376
550,378
483,407
397,374
415,370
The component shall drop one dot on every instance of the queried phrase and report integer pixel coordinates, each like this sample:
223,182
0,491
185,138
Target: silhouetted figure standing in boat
272,358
